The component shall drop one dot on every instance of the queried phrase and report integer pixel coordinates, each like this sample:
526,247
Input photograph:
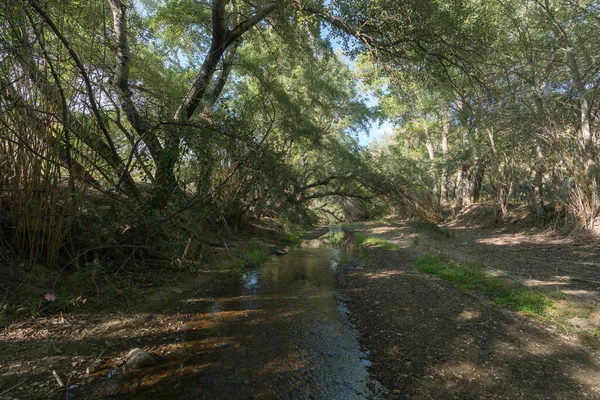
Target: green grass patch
473,277
363,239
294,238
351,225
246,259
433,229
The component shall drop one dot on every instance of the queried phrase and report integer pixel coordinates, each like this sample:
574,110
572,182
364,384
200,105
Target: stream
286,334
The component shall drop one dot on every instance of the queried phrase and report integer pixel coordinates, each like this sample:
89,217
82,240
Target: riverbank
430,339
275,333
146,310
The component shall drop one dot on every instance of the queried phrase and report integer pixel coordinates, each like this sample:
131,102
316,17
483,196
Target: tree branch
115,160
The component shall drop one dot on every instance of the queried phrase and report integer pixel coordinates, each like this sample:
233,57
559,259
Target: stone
138,358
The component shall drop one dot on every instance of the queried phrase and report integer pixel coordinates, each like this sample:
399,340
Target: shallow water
285,334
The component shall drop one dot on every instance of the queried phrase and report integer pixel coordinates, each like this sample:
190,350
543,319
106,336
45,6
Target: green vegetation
114,149
363,239
65,300
473,277
268,121
294,238
244,260
416,241
351,225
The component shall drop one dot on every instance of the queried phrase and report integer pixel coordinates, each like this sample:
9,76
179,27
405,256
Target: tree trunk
432,167
586,133
478,178
444,178
584,110
463,181
538,181
458,192
222,38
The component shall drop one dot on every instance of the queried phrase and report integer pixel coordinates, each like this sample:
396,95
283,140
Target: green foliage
363,239
244,260
293,238
88,277
485,91
65,300
473,277
416,241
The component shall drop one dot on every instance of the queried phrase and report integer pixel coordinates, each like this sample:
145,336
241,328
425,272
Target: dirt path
430,340
564,268
539,259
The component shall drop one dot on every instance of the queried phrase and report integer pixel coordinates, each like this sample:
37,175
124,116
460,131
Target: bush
293,238
433,229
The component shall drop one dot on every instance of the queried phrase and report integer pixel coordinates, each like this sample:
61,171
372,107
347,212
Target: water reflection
286,334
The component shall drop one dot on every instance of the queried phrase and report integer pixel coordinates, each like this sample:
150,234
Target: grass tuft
473,277
293,238
363,239
240,262
351,225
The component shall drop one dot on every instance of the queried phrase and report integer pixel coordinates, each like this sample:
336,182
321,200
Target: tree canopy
194,113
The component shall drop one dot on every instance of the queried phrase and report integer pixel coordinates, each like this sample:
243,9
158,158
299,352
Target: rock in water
138,358
279,252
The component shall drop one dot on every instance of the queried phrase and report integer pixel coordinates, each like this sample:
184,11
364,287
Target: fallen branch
58,380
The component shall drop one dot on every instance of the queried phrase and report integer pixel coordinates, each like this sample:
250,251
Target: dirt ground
425,338
430,340
565,268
